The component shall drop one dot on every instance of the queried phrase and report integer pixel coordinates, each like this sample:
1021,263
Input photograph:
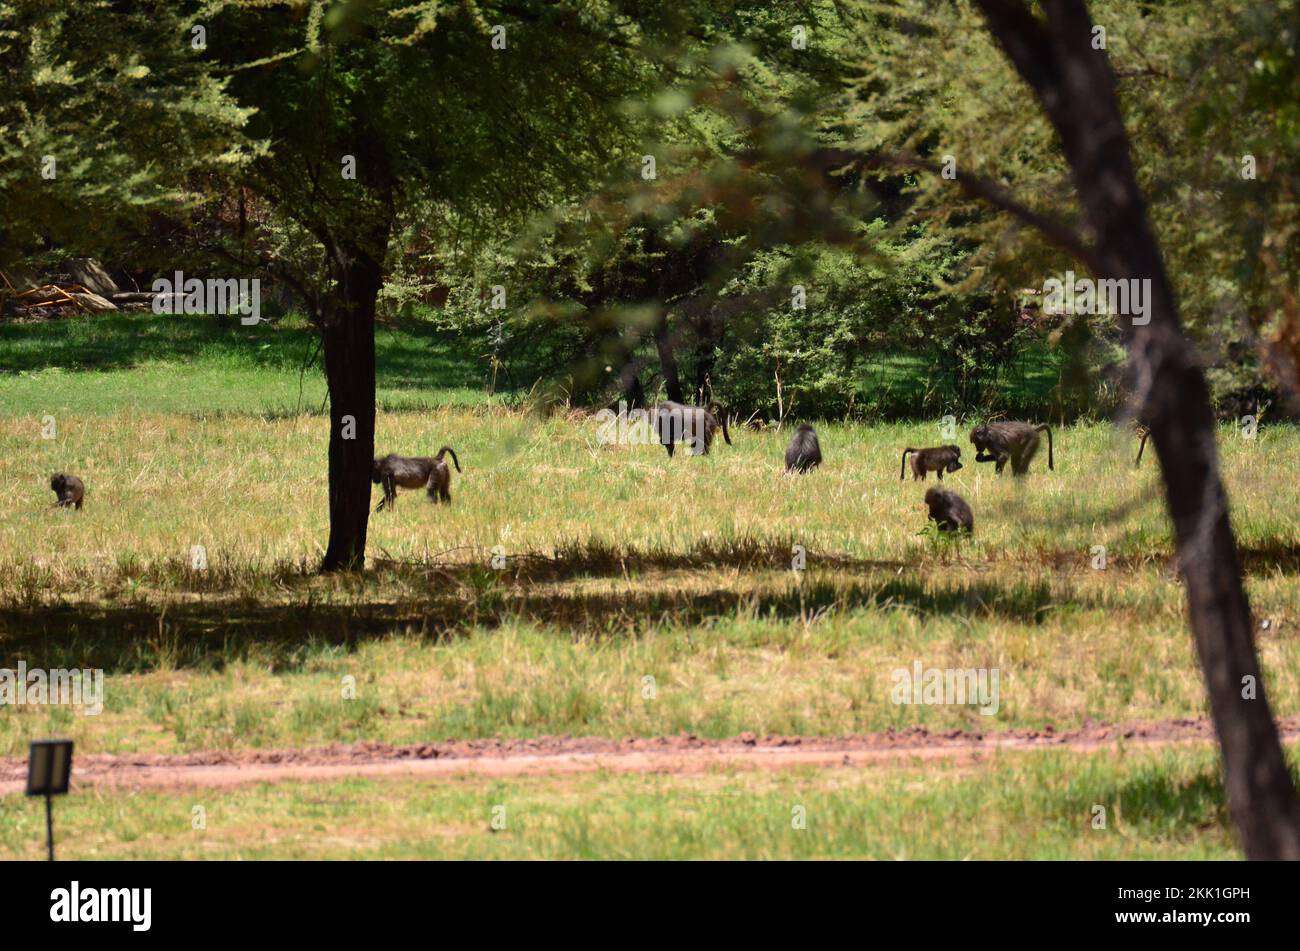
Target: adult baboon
804,450
414,472
674,423
1010,440
69,489
949,510
938,459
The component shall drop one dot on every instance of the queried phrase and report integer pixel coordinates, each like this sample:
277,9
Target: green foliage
106,111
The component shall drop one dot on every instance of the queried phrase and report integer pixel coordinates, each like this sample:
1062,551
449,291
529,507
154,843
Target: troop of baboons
997,442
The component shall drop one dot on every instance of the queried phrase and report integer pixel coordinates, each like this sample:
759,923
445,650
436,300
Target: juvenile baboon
804,450
949,510
414,472
1143,433
69,489
674,423
939,459
1010,440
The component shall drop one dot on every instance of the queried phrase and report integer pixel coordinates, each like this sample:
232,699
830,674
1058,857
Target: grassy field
619,565
1018,806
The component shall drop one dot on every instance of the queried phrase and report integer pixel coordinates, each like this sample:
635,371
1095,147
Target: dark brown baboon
69,489
1143,433
414,472
939,459
695,425
1010,440
804,450
949,510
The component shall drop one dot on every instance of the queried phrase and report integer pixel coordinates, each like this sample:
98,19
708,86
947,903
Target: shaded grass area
768,653
197,364
1158,804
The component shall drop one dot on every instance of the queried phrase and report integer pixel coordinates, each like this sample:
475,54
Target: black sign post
49,770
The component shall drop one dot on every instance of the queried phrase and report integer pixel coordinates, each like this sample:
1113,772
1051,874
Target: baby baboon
804,451
1143,433
413,472
69,489
1009,439
949,510
695,425
938,459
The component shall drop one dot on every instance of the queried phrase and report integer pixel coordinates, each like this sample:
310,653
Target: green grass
620,564
104,364
1166,804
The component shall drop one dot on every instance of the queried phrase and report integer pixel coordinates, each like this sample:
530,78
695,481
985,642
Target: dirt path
553,755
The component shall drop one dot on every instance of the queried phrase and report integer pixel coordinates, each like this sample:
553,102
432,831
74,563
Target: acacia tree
1074,83
85,108
496,109
1070,75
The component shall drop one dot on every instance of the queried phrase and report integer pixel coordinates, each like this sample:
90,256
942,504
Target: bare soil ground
564,754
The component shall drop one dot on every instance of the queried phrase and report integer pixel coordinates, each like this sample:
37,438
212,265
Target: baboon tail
1142,445
902,472
722,414
445,449
1047,429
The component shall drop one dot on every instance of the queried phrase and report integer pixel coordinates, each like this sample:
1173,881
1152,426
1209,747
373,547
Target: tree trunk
348,344
1074,83
668,362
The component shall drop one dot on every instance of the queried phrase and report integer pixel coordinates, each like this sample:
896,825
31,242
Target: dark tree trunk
1076,88
705,358
668,362
348,344
630,380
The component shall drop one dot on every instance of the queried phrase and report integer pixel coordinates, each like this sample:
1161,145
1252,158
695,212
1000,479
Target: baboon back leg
1021,460
939,473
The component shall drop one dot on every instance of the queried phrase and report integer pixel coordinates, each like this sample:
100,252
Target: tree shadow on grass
209,635
410,354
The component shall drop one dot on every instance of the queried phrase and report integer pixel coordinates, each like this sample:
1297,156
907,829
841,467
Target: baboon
804,451
949,510
413,472
69,489
938,459
1009,439
1143,433
674,423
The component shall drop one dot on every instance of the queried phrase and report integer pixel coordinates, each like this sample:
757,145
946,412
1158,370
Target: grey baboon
695,425
949,510
69,489
938,459
414,472
1010,440
804,450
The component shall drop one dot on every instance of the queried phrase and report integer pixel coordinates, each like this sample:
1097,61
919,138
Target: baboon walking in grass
414,472
694,425
938,459
1010,440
